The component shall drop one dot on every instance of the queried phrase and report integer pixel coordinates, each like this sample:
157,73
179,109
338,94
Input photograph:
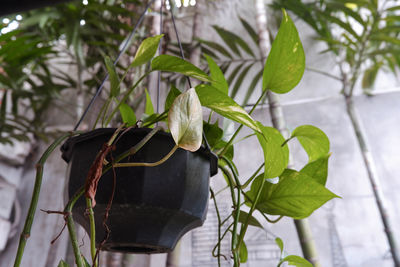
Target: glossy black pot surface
153,206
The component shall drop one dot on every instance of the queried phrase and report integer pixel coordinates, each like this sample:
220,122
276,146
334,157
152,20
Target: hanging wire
159,53
178,39
183,57
122,51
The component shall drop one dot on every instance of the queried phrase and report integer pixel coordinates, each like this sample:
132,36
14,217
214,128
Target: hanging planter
153,206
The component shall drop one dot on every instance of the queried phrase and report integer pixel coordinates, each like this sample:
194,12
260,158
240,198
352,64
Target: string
122,51
178,39
183,57
159,53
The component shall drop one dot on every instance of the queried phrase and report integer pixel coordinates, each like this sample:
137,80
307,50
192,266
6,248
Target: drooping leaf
146,50
217,75
243,255
213,133
114,80
127,114
296,195
239,80
173,93
234,73
217,47
252,86
276,156
286,62
318,169
224,105
185,120
297,261
313,140
252,220
149,109
228,39
250,30
175,64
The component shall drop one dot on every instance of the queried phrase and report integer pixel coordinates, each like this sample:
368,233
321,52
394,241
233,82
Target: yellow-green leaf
286,62
146,50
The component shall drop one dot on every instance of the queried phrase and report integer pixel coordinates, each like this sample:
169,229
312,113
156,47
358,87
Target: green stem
253,207
126,97
219,227
147,164
71,227
35,198
92,231
241,126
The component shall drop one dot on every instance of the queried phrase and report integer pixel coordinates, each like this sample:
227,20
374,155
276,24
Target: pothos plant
297,193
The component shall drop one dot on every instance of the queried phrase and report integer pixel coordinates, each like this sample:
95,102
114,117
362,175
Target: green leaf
250,30
175,64
318,169
279,242
252,220
313,140
217,75
127,114
228,38
149,109
173,93
298,261
213,133
296,195
62,264
286,62
243,252
216,46
224,105
185,120
252,86
239,80
234,73
114,80
276,156
146,50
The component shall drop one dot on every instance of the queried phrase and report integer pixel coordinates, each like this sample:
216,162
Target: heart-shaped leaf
276,156
173,93
286,62
175,64
127,114
313,140
296,195
317,169
146,50
185,119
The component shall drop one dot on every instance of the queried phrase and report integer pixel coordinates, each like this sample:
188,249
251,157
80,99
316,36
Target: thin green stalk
235,245
246,184
253,207
219,227
147,164
123,100
35,197
71,227
222,153
92,231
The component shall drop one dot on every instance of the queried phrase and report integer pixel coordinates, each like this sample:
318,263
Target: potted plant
135,157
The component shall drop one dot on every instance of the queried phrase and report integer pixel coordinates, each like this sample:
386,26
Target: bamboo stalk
303,228
373,178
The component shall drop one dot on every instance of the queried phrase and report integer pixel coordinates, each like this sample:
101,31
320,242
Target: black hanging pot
153,206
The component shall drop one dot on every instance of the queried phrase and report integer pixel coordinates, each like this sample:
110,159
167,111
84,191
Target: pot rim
68,146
